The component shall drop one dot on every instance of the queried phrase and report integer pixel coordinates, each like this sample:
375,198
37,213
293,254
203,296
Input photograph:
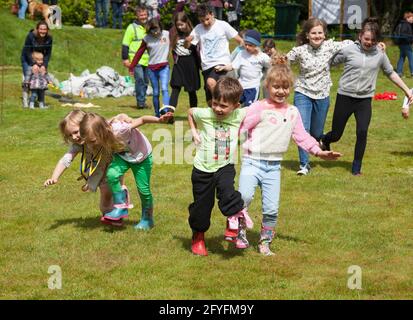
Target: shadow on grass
89,223
217,244
402,153
294,165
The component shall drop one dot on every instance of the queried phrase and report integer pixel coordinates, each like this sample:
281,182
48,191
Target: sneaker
230,234
42,105
242,241
264,249
357,174
31,105
303,171
143,106
324,145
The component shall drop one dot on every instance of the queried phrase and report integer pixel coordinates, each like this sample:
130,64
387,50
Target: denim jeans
266,175
141,84
313,113
155,76
405,51
22,9
37,94
116,15
101,19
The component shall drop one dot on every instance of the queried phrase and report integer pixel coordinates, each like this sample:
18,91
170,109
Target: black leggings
344,108
173,100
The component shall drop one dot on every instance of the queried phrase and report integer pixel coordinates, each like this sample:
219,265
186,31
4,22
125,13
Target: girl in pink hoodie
269,126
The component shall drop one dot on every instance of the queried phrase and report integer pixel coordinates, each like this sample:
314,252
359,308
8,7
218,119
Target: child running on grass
93,165
131,150
269,125
213,169
157,43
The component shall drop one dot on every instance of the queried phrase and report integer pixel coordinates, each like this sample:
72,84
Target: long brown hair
38,38
94,125
179,17
302,37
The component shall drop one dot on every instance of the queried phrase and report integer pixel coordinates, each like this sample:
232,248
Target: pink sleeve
252,118
303,139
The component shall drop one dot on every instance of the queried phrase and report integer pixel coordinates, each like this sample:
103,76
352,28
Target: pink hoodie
269,131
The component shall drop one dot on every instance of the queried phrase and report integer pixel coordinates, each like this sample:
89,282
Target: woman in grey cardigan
362,62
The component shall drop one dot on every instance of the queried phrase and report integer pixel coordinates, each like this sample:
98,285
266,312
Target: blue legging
155,76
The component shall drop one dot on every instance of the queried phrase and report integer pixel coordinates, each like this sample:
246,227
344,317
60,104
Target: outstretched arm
57,172
150,119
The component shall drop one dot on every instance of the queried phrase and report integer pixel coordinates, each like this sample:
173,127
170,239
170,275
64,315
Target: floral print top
314,80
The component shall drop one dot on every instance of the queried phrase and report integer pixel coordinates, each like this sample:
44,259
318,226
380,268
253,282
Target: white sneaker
303,171
42,105
31,105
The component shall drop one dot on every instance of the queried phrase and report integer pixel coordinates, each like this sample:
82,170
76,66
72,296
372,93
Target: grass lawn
328,221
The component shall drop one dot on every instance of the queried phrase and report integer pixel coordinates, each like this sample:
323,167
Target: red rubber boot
198,244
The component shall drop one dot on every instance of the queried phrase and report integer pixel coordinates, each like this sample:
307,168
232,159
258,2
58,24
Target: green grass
328,220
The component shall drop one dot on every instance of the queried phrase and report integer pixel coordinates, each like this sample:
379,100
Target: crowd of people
232,83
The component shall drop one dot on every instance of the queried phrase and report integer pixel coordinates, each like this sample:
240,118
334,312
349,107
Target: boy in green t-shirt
213,169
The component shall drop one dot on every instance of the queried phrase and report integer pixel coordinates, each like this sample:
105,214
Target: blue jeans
266,175
37,94
22,9
141,84
405,51
155,76
101,19
313,113
116,15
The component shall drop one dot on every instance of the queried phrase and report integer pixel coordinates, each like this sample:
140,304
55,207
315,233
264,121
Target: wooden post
310,8
341,19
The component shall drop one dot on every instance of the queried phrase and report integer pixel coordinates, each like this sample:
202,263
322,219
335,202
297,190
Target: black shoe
143,106
325,146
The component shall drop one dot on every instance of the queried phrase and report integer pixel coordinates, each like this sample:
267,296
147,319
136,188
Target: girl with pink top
269,126
130,149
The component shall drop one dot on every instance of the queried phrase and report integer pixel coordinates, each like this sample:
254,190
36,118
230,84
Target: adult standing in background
22,9
116,13
217,7
101,13
404,41
37,40
134,34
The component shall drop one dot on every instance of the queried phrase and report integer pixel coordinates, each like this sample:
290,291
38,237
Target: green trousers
141,172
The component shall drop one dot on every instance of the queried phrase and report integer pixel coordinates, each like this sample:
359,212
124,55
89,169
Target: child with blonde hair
36,79
270,124
130,150
93,164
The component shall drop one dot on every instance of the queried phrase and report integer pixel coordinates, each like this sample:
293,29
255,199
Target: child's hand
196,138
131,73
329,155
405,113
166,118
49,182
381,46
221,68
